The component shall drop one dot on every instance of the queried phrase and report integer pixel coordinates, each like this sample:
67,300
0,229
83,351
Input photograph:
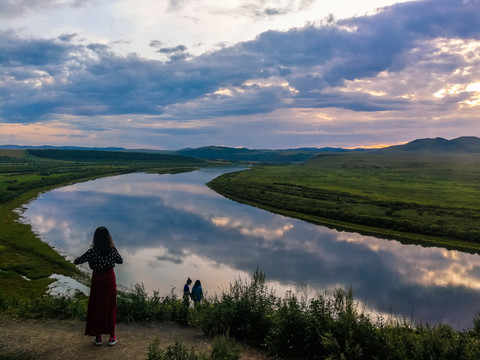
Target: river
170,227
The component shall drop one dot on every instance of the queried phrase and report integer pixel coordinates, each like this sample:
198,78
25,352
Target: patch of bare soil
64,339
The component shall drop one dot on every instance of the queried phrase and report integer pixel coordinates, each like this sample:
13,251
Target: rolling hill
428,146
461,145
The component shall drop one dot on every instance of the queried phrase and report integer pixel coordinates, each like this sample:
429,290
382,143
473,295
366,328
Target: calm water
169,227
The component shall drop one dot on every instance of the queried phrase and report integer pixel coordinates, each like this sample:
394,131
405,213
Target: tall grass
245,312
326,327
223,348
137,305
293,326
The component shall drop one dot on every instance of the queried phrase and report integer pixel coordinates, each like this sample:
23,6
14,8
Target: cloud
170,258
175,53
359,64
176,4
268,8
67,37
176,49
15,8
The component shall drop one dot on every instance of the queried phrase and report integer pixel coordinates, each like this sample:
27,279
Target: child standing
186,292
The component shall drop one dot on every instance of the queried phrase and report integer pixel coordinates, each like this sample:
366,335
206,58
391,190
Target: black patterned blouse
98,261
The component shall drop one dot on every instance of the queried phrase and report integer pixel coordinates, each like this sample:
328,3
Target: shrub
323,328
244,313
476,323
137,305
154,350
225,348
294,330
426,342
178,351
356,334
294,327
49,306
133,305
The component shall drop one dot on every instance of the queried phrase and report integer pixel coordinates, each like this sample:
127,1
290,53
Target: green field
26,262
422,199
427,200
437,197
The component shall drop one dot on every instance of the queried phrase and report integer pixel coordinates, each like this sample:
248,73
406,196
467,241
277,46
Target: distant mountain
112,156
469,144
461,145
211,152
255,155
48,147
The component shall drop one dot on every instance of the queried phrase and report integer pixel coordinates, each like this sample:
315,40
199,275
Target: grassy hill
422,198
461,145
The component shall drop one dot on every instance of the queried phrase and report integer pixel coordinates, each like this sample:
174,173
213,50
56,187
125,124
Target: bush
425,342
48,306
223,348
244,313
323,328
294,327
178,351
292,332
137,305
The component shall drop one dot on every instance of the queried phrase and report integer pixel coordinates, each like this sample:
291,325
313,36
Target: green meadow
421,199
26,262
430,200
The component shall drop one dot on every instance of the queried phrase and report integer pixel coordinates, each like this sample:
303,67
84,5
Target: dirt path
64,340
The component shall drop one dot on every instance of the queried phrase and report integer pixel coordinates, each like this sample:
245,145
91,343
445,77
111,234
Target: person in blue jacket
186,292
197,292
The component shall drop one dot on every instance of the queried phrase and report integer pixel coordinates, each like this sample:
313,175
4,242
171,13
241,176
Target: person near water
197,292
102,303
186,292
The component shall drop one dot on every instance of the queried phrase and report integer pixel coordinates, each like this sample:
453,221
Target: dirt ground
64,340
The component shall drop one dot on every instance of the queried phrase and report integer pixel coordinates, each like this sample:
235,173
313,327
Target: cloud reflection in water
169,227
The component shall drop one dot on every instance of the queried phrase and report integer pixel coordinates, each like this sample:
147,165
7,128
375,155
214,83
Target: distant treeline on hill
432,146
89,155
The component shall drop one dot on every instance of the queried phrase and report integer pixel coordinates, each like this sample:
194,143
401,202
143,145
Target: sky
261,74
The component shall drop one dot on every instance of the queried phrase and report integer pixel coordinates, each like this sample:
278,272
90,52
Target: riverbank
431,201
26,262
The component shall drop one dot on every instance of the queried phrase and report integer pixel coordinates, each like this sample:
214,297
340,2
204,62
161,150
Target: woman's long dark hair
102,240
197,284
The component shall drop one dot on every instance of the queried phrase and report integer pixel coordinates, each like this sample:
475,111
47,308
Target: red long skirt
102,304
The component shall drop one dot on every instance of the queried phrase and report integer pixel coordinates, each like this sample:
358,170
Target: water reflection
168,227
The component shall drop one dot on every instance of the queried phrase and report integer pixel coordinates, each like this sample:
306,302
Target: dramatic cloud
415,57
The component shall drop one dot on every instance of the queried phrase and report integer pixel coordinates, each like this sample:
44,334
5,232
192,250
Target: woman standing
197,292
102,304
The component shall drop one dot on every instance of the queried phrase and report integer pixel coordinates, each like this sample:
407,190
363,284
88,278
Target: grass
25,261
223,348
424,200
294,326
441,192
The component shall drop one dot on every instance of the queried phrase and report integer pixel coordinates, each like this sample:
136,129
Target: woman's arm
118,258
84,258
